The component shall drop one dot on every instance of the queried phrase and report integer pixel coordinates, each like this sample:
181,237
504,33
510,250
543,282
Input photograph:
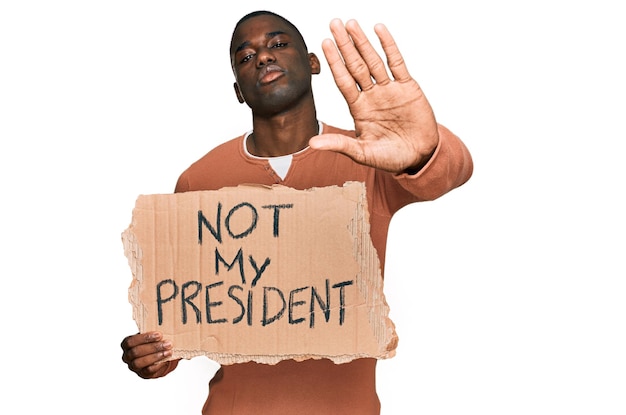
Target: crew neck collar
247,153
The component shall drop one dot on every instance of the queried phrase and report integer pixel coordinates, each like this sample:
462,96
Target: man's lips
269,74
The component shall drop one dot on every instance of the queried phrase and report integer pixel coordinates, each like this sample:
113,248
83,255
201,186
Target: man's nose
265,56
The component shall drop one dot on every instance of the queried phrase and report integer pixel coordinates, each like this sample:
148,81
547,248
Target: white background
507,294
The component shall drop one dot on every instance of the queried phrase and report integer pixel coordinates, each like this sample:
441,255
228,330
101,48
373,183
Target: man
397,149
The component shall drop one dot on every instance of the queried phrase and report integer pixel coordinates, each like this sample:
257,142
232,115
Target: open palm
395,126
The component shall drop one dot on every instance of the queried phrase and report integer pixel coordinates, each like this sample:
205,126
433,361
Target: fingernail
154,337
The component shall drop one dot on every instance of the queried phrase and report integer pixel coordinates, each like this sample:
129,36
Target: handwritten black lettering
209,303
253,221
160,300
277,209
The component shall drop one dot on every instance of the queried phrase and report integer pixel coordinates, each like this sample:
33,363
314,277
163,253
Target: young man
397,149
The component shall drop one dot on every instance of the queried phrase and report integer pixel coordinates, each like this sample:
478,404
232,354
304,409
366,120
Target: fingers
355,64
364,62
395,61
145,353
344,80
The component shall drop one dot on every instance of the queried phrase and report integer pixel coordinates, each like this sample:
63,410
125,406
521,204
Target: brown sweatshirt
318,386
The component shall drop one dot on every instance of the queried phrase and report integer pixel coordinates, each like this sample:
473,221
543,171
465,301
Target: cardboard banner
255,273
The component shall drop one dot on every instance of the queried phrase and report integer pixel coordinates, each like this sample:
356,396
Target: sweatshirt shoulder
227,149
222,154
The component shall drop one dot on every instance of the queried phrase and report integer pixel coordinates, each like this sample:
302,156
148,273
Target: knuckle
124,343
130,355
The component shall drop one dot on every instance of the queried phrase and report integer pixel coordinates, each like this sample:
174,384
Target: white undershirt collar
279,164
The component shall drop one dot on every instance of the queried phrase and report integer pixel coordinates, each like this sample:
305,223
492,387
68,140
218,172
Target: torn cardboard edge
258,273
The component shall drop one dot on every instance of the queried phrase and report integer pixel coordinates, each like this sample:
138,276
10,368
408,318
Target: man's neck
281,135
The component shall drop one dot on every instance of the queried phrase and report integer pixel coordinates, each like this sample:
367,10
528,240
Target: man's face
271,65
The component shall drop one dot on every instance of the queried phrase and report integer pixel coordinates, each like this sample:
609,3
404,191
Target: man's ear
315,64
238,93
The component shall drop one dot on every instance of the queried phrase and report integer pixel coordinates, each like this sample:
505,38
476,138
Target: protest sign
257,273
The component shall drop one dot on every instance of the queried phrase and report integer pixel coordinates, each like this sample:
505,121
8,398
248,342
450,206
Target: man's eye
246,58
279,45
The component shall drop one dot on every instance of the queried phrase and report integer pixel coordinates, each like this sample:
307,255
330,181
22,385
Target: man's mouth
269,74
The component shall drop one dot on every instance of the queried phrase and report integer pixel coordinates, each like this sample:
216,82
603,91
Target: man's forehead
264,25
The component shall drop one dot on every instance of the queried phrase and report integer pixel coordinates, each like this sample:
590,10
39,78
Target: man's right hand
145,354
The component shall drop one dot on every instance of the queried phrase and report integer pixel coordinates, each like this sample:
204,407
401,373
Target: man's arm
449,167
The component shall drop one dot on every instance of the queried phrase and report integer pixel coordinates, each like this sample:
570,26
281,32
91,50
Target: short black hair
266,13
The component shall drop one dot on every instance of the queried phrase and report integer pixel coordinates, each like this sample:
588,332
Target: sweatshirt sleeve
182,184
449,167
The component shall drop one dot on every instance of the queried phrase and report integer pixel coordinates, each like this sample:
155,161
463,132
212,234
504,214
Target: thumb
332,142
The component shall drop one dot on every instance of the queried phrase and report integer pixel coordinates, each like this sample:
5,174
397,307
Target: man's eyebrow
268,35
275,33
242,46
